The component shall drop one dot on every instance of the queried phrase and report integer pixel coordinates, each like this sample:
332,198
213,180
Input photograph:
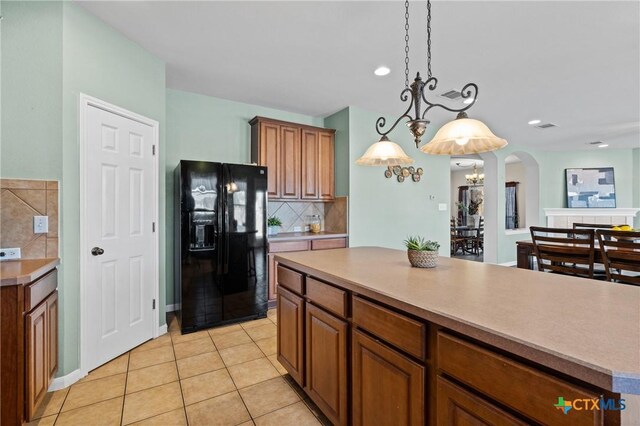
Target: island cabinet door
326,367
388,387
291,334
457,407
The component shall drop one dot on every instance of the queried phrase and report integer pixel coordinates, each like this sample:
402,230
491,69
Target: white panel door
120,209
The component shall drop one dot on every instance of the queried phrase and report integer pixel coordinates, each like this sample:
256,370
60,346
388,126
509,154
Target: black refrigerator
220,240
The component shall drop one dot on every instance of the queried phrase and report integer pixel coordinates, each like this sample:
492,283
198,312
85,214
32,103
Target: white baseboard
162,329
512,263
65,381
171,308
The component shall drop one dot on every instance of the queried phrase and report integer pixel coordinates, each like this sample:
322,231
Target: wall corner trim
66,381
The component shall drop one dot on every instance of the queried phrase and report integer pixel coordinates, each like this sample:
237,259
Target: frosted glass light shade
463,136
384,153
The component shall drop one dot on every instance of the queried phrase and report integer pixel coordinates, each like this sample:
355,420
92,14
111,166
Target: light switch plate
10,253
40,224
442,207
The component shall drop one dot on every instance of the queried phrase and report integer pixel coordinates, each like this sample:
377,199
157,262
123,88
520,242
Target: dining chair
621,255
478,238
457,240
564,251
598,269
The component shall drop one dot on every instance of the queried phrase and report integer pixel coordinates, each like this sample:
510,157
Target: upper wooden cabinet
299,158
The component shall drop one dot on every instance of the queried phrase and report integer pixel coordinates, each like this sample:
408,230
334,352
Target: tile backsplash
294,214
20,201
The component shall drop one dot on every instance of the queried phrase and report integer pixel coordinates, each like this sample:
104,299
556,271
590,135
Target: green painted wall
552,167
209,129
383,212
52,52
554,163
31,136
99,62
340,122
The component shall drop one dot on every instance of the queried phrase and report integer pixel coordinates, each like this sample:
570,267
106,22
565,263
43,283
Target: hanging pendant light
384,153
460,136
475,178
463,136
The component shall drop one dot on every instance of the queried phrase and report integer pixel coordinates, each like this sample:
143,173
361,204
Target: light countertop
300,236
584,328
18,272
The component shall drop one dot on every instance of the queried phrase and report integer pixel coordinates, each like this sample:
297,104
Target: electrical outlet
40,224
9,253
442,207
297,229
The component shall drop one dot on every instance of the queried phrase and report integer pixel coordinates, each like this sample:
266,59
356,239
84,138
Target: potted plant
422,253
273,223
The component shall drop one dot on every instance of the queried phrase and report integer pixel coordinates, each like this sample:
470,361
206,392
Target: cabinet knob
97,251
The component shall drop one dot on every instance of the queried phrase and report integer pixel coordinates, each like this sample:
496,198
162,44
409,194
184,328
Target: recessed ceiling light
468,101
603,145
380,71
532,122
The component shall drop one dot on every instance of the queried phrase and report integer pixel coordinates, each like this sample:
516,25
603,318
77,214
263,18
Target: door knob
97,251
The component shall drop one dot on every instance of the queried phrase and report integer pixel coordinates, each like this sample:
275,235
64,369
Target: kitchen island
374,341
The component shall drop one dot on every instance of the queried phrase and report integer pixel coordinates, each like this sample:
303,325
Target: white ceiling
575,63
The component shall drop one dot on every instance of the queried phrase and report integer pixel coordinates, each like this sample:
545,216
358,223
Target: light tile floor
221,376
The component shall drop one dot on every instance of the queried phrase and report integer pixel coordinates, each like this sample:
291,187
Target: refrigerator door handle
225,218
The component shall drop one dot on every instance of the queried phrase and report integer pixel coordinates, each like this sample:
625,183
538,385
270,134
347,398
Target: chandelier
460,136
475,178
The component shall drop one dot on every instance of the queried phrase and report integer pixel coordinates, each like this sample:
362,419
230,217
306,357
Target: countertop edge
614,381
279,239
27,278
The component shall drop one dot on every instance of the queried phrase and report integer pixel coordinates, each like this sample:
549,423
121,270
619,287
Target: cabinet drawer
290,279
39,290
328,243
456,406
284,246
331,298
403,332
494,375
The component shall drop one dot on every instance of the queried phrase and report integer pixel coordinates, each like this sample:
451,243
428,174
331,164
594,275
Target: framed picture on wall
591,188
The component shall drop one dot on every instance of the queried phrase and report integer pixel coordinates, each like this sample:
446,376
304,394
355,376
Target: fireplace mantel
562,218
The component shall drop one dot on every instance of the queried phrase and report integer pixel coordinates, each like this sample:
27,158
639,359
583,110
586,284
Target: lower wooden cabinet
388,388
291,333
52,317
458,407
326,363
297,245
37,344
41,326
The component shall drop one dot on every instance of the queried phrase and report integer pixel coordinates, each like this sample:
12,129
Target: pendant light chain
406,45
429,39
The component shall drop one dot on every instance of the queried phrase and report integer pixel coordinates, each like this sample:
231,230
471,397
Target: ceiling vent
545,125
451,94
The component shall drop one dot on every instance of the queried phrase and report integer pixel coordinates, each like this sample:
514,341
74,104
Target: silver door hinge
153,149
154,304
153,227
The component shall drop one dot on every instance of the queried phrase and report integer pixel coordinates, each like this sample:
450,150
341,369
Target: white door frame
83,107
